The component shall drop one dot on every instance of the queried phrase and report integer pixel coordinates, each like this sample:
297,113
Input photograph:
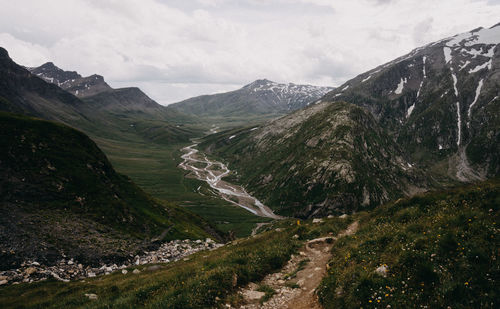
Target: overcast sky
176,49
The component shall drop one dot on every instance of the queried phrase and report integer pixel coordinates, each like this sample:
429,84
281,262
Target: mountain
71,81
328,158
260,98
21,92
100,97
120,114
61,197
427,119
441,102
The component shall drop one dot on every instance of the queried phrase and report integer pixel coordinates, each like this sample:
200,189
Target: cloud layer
175,49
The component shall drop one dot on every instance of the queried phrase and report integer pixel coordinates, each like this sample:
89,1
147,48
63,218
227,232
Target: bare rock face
440,102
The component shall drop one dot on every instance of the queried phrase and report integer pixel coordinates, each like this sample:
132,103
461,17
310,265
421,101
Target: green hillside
60,195
440,249
329,158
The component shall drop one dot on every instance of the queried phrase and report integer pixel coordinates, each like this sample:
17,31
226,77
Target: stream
212,173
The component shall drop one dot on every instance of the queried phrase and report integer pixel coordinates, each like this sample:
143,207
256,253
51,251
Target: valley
383,192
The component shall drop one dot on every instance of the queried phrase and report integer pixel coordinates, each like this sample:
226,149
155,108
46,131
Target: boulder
382,270
253,295
91,296
30,270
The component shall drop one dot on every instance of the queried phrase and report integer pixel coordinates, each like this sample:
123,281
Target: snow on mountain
261,97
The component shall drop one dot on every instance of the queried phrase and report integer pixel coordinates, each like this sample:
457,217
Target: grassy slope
196,283
456,225
49,167
441,249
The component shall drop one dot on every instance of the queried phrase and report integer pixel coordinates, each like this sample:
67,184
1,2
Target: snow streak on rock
478,92
401,85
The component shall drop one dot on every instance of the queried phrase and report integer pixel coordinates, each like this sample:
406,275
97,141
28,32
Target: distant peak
96,77
259,82
49,64
494,26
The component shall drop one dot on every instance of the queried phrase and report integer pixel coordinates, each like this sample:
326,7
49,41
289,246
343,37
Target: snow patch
364,80
410,110
478,92
232,136
425,76
401,85
483,36
454,83
447,54
459,117
480,67
459,124
345,88
253,129
464,65
440,147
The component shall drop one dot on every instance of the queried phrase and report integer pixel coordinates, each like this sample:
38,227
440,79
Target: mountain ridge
259,98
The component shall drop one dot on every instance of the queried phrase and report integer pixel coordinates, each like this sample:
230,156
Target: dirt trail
315,255
212,173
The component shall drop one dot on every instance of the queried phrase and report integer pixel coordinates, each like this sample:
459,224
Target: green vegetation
340,161
57,184
269,292
196,283
154,168
440,249
207,279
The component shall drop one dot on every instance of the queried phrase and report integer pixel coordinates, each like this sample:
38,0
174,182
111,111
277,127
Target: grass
269,292
208,279
440,249
197,283
154,168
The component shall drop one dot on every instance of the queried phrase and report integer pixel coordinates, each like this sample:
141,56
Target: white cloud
209,45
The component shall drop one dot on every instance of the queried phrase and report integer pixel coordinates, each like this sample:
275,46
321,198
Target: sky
177,49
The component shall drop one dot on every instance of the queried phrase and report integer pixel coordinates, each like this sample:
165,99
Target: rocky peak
71,81
52,74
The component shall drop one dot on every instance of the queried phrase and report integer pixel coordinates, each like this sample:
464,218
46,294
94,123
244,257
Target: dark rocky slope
59,196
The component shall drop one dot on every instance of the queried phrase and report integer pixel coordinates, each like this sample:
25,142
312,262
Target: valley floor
155,168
